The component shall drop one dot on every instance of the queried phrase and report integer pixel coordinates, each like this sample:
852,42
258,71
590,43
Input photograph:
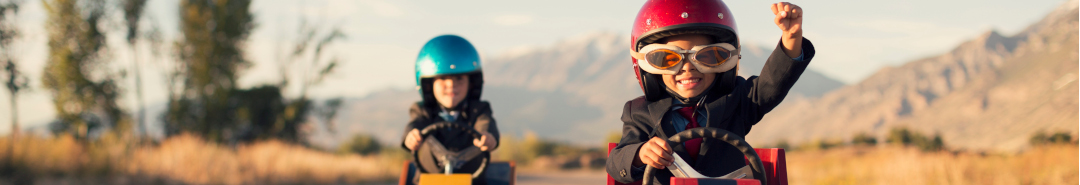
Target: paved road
562,178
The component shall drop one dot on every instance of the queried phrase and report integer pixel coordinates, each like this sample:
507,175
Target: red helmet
664,18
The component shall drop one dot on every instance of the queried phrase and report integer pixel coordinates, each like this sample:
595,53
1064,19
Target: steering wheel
721,134
448,159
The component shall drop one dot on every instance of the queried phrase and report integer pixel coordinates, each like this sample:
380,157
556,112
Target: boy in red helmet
686,54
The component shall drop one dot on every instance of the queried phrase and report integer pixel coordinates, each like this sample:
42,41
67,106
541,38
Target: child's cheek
669,81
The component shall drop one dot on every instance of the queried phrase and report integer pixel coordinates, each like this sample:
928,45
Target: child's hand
655,153
789,19
485,142
412,140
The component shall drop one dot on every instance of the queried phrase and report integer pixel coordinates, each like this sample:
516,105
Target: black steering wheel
721,134
447,158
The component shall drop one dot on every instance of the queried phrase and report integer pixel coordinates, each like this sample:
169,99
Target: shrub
864,139
784,144
931,145
1042,138
906,137
361,144
819,145
536,152
613,137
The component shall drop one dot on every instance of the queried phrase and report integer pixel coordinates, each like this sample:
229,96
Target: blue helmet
448,55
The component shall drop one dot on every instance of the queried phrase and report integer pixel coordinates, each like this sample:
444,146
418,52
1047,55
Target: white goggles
668,60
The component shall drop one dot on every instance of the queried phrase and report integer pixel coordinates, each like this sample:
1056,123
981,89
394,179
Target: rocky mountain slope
990,93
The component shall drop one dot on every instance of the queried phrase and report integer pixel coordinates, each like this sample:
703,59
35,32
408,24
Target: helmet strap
727,81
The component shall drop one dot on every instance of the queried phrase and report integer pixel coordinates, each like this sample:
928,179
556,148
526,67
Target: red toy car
771,163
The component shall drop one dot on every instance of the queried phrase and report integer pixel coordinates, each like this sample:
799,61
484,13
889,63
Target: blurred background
299,92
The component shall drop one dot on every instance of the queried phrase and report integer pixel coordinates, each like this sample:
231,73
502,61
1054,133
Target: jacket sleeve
417,120
777,78
635,132
486,123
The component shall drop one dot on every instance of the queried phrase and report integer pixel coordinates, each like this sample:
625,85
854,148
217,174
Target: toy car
768,165
497,173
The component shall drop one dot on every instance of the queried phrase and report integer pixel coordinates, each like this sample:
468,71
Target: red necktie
693,145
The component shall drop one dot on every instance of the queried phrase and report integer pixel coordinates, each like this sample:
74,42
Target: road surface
562,178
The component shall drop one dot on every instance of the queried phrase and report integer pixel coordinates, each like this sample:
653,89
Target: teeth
689,81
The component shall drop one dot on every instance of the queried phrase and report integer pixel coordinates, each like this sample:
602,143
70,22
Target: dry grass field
1054,164
190,160
185,160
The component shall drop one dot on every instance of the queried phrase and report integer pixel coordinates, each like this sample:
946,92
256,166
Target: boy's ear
427,95
653,86
476,83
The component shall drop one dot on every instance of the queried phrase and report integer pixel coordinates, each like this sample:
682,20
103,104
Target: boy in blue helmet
450,81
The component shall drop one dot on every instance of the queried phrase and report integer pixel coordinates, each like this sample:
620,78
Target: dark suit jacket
736,112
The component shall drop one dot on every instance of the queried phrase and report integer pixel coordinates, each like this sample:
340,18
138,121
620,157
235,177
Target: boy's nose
687,67
453,83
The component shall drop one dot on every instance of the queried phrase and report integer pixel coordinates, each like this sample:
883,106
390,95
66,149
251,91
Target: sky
854,38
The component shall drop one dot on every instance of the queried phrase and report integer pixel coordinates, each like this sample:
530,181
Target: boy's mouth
687,83
451,93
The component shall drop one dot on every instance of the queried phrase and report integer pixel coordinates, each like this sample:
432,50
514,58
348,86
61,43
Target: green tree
211,56
269,114
83,88
262,114
15,81
311,43
308,55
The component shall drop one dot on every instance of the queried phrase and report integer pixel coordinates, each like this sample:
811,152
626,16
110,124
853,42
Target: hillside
990,93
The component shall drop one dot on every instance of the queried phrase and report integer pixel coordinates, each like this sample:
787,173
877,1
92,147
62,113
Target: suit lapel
657,110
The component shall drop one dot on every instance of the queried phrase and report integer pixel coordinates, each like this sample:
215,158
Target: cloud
512,20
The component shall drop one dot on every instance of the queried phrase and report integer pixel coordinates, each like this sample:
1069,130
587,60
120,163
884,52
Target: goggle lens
712,56
663,58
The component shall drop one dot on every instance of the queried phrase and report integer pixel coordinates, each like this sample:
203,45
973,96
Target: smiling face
450,90
688,82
